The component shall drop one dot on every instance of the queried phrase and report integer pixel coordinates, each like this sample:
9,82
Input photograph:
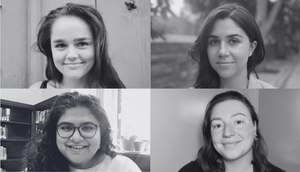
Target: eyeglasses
67,131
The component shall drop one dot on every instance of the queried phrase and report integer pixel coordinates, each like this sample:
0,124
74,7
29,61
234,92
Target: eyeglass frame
74,128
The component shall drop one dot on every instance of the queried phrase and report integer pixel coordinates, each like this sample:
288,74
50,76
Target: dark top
44,84
193,166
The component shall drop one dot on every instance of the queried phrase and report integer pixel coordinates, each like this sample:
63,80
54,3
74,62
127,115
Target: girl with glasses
76,137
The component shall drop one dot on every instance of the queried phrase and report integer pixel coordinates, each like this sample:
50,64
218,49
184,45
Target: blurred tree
279,20
159,8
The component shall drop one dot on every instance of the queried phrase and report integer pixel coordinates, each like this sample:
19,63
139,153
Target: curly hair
209,159
102,74
207,77
42,154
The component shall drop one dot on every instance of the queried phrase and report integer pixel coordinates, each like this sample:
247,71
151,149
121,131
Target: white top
117,164
255,83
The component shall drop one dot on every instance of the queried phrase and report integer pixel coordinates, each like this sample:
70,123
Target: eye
88,128
60,46
217,126
82,44
213,42
66,128
239,122
234,41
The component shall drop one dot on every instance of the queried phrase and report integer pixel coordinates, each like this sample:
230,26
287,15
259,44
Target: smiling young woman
228,49
76,137
232,138
74,40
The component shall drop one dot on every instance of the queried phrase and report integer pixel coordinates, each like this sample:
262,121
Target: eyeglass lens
85,130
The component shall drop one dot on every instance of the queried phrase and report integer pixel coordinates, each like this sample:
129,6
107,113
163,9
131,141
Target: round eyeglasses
67,131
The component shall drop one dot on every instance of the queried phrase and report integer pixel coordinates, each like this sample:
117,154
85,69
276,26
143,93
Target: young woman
232,138
74,40
228,49
76,137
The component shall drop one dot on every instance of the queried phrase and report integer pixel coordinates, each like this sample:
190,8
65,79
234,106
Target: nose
223,50
72,54
228,131
76,137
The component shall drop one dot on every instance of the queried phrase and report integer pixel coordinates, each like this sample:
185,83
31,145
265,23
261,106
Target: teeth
77,147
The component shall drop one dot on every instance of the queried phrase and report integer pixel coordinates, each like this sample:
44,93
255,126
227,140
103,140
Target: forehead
225,27
228,108
78,115
70,26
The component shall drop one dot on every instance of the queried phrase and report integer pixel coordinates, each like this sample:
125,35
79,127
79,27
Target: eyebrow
229,36
76,40
83,123
233,115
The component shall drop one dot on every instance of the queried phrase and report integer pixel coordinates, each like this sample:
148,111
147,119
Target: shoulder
275,169
126,163
36,85
193,166
255,83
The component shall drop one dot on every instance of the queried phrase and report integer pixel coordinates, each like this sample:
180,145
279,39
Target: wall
128,33
280,119
176,119
129,40
21,95
14,44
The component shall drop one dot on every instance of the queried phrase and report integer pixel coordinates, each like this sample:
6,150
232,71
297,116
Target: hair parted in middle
207,77
208,158
42,153
102,74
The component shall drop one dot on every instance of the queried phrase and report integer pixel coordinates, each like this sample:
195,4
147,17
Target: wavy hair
42,154
209,159
102,74
207,77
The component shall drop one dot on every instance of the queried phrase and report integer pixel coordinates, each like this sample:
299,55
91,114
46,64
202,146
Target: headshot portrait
225,44
75,44
75,130
220,130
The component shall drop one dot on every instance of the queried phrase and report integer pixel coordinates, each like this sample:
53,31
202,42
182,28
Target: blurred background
175,25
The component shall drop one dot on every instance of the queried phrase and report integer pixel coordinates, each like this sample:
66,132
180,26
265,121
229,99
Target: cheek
58,57
60,142
216,137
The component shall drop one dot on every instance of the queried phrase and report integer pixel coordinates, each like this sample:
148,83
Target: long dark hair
209,159
207,77
102,74
42,154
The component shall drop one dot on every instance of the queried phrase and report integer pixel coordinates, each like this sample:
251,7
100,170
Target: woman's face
232,130
228,49
72,47
77,149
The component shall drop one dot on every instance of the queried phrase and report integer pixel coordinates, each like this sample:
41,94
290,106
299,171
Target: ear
255,128
252,47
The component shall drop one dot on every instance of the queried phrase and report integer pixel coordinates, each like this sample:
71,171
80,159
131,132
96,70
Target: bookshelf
19,129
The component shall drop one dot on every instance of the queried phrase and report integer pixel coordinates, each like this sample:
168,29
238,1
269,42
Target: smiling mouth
225,63
77,147
73,63
230,145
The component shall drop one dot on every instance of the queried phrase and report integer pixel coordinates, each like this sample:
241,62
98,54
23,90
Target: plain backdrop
176,119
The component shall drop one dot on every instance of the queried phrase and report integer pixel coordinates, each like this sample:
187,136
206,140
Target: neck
239,81
95,160
73,83
241,164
